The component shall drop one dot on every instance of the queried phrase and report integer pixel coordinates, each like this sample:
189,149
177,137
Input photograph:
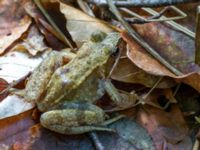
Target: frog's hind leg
75,118
78,130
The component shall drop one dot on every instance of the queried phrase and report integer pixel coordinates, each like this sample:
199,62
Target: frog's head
111,41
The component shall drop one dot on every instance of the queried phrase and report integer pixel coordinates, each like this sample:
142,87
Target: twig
97,143
197,40
140,41
58,32
172,23
196,145
154,86
143,3
84,6
155,17
14,83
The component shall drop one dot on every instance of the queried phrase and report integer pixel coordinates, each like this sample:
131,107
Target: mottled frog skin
66,92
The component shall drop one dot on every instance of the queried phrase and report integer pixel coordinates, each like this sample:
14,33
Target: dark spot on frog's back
64,71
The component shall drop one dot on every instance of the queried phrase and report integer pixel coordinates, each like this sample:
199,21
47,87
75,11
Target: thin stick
197,40
196,145
58,32
155,17
154,86
140,41
84,6
142,3
97,143
172,23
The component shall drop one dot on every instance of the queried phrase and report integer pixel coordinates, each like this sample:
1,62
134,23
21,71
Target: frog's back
90,56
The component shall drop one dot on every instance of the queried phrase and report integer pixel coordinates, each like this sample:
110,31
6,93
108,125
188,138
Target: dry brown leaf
43,26
126,71
147,63
14,130
168,129
18,104
142,59
33,42
16,64
14,22
80,25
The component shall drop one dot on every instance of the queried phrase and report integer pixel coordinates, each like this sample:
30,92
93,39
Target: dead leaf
33,42
168,129
14,65
3,86
80,25
14,22
18,104
15,129
131,131
126,71
143,60
43,26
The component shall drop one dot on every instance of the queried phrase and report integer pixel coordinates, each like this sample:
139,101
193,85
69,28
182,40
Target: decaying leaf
14,22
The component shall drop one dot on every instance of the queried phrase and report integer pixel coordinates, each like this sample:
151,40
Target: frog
66,93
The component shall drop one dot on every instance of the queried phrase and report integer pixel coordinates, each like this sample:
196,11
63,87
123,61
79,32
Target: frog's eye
98,36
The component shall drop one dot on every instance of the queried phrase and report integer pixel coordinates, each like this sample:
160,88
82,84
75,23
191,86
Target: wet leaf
14,22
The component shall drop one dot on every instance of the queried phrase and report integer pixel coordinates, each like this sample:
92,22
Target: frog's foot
122,99
75,118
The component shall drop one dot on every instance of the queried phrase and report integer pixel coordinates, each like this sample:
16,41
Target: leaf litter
162,118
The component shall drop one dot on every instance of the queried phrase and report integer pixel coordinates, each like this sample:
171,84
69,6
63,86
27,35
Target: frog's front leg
122,101
75,118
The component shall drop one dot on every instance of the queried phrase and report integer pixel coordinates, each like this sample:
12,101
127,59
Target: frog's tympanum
65,93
